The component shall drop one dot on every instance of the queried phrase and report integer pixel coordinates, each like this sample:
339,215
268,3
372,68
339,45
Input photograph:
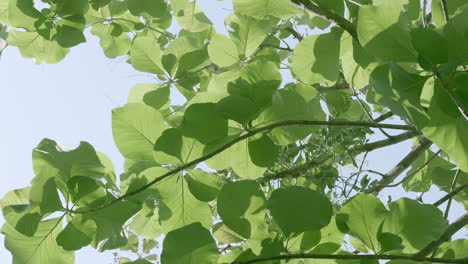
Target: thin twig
354,257
451,194
445,8
454,183
448,233
450,93
276,47
295,171
386,142
295,34
407,177
330,16
367,112
241,138
390,176
383,117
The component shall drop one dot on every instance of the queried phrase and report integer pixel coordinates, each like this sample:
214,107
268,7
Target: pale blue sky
72,101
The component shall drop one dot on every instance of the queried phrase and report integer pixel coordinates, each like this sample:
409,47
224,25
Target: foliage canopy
248,169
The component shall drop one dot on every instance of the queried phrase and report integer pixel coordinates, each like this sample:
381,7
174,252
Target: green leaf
190,16
436,54
427,92
400,91
135,128
299,209
237,108
24,218
383,30
203,123
263,151
32,45
18,196
362,217
453,249
289,105
110,223
19,13
357,64
389,242
168,147
191,244
41,248
145,55
68,37
178,207
146,223
148,8
415,223
222,51
331,239
111,45
263,8
242,207
77,234
336,6
438,11
447,127
247,33
72,7
258,82
203,185
225,235
316,58
152,94
240,161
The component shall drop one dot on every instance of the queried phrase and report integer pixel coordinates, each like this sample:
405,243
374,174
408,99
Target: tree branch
353,257
275,47
351,29
241,138
448,233
383,117
295,34
450,93
390,176
454,183
332,17
407,177
445,8
450,194
295,171
386,142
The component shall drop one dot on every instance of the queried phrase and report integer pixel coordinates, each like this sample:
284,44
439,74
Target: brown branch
390,176
450,194
294,172
241,138
407,177
383,117
332,17
448,233
354,257
386,142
